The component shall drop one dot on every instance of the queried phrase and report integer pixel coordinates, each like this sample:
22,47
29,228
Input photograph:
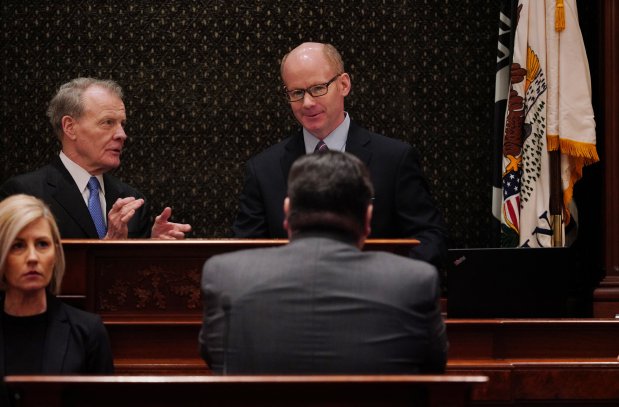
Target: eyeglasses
315,91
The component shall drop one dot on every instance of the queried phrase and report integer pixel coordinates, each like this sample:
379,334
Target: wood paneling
158,278
606,297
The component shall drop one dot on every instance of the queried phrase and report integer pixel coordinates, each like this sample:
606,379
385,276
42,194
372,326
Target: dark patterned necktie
321,147
94,207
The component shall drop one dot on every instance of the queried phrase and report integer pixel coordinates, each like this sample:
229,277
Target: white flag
549,109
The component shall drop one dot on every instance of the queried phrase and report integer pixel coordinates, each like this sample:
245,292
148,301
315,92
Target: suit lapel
112,192
358,142
62,188
295,148
56,337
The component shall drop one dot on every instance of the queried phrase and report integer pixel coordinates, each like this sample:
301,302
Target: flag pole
556,198
555,206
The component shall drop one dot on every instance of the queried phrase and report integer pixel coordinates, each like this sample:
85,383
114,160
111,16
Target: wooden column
606,297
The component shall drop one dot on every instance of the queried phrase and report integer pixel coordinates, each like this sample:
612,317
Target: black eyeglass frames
315,91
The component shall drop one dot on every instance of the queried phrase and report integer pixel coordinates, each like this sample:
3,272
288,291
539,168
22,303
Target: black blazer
76,341
319,305
54,185
403,206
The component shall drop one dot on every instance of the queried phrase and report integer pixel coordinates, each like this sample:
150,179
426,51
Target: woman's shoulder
76,316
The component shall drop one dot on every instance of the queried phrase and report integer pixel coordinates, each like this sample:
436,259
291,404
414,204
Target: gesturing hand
121,213
162,229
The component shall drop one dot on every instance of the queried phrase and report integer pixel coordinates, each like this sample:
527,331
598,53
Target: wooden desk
155,391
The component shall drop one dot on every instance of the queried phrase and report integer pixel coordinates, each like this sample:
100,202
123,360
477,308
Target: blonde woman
38,333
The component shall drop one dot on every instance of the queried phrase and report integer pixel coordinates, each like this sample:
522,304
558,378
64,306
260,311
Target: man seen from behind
320,305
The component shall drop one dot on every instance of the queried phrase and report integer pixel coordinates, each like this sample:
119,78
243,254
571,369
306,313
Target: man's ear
286,212
368,220
68,126
345,84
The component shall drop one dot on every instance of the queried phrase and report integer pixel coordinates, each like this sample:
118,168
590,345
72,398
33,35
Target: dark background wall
201,81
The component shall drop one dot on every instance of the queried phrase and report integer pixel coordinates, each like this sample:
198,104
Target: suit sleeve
436,357
141,223
251,219
211,338
142,228
418,215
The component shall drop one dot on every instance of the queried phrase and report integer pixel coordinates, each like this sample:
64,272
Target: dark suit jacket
76,341
54,185
319,305
403,207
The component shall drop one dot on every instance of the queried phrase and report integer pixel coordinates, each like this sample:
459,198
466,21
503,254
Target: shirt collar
336,141
79,175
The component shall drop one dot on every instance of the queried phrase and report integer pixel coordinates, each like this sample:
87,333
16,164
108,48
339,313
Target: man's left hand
162,229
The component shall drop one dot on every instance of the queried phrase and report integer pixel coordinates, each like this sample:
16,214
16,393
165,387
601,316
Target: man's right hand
121,213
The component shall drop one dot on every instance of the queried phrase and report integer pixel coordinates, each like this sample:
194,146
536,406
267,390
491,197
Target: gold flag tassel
559,16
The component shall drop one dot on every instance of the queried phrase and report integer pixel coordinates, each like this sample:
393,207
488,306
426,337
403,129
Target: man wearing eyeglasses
315,85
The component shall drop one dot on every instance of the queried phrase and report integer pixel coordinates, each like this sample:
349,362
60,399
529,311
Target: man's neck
336,140
329,232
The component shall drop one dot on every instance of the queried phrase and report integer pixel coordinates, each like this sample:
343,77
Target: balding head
309,49
314,64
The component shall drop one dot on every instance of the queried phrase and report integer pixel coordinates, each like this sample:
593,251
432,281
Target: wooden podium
140,279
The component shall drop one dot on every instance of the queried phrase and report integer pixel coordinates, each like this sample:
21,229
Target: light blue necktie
94,207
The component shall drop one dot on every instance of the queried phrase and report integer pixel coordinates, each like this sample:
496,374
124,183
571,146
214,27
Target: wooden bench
550,360
521,381
469,340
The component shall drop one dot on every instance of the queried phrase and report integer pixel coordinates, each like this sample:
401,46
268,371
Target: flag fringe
559,16
568,193
552,142
576,149
579,154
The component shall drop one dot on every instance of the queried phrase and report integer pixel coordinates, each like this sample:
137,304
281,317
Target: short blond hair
16,213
